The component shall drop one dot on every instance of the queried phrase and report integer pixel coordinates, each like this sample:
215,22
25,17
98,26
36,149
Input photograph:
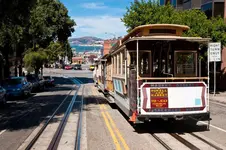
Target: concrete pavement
220,97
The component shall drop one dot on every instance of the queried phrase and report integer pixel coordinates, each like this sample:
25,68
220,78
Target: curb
222,102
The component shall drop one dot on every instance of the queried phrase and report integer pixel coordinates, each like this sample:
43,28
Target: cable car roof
170,38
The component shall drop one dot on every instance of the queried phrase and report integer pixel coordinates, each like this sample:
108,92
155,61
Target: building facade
107,46
210,7
192,4
178,4
213,8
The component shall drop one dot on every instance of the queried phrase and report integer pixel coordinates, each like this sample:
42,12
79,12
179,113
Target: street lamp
111,34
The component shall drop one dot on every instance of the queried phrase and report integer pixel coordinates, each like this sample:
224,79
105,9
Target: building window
167,2
162,2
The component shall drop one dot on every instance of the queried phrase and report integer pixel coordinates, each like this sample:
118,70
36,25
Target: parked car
34,82
3,96
17,86
68,67
41,82
77,67
49,81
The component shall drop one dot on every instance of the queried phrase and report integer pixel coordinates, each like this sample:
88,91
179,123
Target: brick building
107,46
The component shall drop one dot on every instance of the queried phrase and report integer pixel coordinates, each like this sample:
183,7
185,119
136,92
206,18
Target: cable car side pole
137,73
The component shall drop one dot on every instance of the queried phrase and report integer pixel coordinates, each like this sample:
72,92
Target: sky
99,18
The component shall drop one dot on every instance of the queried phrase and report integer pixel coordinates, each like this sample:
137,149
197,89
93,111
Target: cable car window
119,65
144,63
185,64
123,63
133,56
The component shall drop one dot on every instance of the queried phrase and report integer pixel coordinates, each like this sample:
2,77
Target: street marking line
2,132
110,129
116,129
218,128
213,126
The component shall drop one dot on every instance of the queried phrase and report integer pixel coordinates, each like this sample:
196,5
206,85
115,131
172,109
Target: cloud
94,5
99,25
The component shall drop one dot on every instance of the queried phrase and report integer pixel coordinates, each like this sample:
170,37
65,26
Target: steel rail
161,142
205,141
183,141
29,146
78,135
58,134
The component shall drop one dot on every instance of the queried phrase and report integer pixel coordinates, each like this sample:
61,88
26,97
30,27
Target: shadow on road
27,113
84,80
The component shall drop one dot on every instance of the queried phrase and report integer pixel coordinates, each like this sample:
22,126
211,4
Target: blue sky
96,17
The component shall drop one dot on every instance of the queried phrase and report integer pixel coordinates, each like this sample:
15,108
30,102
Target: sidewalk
219,97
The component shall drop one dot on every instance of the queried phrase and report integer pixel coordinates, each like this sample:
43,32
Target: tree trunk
41,72
16,73
6,67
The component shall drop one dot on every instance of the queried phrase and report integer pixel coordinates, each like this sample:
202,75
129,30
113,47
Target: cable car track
60,129
184,141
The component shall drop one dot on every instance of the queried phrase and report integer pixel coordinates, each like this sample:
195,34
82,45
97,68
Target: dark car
33,80
41,82
17,86
37,82
77,67
3,96
49,81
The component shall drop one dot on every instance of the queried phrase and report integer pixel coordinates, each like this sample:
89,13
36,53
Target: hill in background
85,40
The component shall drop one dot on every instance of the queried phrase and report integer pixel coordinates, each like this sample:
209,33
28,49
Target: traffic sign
215,52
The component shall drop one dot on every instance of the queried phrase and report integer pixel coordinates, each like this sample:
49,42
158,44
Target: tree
50,22
149,12
53,51
32,24
34,60
14,16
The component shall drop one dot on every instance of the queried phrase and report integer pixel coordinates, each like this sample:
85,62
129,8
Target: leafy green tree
34,60
53,51
14,16
50,22
150,12
32,24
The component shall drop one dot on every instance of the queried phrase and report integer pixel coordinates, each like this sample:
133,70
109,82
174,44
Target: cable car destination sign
215,52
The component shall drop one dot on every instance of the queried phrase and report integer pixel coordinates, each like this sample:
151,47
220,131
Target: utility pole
225,11
115,37
213,8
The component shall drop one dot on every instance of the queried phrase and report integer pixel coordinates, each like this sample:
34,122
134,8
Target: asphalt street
104,126
20,117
